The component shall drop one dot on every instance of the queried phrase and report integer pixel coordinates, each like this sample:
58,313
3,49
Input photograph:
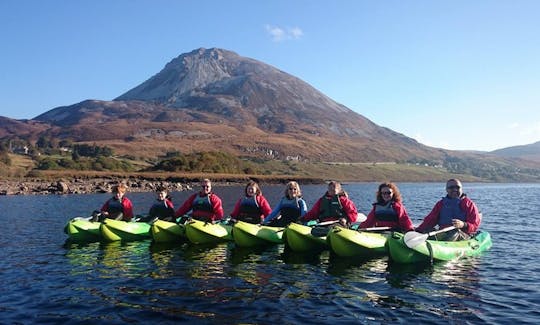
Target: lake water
44,279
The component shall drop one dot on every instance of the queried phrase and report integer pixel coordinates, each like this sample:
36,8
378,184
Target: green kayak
250,235
82,229
433,250
166,231
114,230
300,238
347,242
201,232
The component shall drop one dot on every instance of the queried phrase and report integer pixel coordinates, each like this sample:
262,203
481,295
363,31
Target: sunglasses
292,188
386,192
453,187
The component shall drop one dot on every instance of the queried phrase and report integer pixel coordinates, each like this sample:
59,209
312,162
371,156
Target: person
289,209
163,208
455,209
388,210
334,205
253,207
119,207
204,205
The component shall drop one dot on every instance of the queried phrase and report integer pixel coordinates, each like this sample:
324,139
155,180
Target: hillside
214,100
527,152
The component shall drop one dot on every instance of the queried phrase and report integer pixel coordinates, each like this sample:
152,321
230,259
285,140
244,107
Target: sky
459,75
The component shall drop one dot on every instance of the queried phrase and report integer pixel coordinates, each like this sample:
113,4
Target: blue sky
461,75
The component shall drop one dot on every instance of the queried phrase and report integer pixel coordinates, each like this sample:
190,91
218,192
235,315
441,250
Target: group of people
454,210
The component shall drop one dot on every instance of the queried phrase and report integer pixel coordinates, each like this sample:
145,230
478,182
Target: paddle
374,229
313,223
360,217
413,238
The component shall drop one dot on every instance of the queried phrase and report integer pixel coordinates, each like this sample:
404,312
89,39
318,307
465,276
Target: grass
280,172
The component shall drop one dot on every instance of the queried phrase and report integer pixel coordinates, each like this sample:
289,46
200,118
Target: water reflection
448,289
81,256
123,259
342,266
313,258
258,254
206,261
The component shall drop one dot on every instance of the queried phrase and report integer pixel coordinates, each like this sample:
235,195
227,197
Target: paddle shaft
440,231
375,228
326,223
413,238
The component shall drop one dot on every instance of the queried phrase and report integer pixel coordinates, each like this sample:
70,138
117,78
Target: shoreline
103,184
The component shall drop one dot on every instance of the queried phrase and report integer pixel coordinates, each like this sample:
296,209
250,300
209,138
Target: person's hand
458,223
343,222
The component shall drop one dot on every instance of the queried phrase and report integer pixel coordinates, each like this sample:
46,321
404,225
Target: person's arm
274,213
473,216
127,208
264,206
217,207
236,210
405,223
170,208
349,208
303,207
370,220
312,214
186,206
431,219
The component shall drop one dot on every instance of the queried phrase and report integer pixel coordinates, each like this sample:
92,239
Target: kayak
201,232
166,231
348,242
249,235
299,238
113,230
434,250
82,229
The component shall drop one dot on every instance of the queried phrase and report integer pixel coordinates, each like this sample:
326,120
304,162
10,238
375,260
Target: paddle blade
361,217
413,238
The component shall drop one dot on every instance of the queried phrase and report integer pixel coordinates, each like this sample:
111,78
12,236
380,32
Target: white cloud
279,34
530,132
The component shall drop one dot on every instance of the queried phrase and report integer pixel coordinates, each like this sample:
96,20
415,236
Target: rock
62,187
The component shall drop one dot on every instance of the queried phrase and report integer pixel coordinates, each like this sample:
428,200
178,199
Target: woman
118,207
388,210
335,205
253,207
204,205
289,209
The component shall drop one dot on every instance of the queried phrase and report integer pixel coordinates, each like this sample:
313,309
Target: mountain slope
213,99
528,152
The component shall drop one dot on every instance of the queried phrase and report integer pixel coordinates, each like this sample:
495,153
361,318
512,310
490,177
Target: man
204,205
455,209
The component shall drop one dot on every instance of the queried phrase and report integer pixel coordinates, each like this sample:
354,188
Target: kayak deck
433,250
347,242
250,235
166,231
114,230
82,229
201,232
299,238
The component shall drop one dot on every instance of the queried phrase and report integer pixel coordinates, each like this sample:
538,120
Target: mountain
213,99
527,152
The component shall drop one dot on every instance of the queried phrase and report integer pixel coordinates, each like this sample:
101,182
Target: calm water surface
44,279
